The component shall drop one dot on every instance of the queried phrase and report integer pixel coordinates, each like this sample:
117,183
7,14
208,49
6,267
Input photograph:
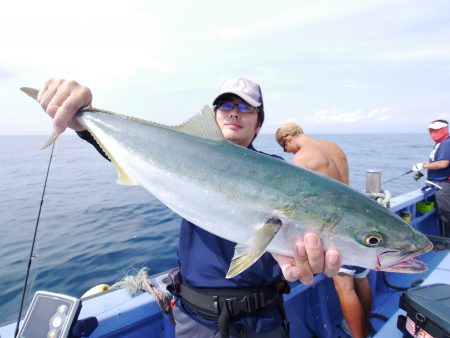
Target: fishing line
396,178
30,259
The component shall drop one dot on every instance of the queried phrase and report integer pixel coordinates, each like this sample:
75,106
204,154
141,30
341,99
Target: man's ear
258,128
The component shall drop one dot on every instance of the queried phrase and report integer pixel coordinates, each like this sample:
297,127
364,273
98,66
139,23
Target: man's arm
85,135
62,99
440,164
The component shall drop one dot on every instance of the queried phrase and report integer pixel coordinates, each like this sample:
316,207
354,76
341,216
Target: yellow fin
246,255
123,178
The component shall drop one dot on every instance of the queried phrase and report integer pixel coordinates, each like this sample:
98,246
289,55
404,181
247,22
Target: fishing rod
396,178
30,259
417,175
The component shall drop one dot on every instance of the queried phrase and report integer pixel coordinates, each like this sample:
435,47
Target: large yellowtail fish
259,202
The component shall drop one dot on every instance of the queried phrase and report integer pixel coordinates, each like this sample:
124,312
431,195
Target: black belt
222,304
237,301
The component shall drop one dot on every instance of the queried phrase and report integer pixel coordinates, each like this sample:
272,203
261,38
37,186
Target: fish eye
373,239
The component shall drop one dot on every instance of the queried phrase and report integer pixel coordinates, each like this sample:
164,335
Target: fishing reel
417,175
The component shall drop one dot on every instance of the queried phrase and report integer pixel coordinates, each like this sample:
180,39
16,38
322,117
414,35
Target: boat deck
440,274
313,310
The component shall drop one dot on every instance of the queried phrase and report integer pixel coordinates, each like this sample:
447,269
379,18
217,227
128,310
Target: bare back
324,157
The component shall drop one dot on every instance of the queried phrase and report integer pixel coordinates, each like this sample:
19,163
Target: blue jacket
204,259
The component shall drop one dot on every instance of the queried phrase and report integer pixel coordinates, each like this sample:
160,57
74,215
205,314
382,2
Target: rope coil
383,197
143,282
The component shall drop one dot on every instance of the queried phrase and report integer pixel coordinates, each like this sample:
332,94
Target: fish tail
54,135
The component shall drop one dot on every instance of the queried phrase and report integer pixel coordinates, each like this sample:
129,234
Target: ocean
93,231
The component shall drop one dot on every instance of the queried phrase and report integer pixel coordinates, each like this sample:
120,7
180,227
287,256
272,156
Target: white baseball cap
438,124
245,88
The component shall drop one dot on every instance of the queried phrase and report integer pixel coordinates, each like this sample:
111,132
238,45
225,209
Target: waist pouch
222,304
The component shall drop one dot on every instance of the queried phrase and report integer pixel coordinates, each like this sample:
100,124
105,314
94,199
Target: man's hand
309,260
417,167
61,99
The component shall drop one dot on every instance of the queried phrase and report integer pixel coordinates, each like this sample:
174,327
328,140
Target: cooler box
427,312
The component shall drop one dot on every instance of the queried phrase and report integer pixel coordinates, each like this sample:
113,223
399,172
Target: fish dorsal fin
202,125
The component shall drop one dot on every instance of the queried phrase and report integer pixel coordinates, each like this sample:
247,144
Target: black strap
224,321
247,301
223,304
86,135
282,310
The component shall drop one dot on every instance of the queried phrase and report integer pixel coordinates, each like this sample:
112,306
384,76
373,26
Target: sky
347,66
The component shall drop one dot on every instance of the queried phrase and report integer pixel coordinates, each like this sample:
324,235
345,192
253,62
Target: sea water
92,230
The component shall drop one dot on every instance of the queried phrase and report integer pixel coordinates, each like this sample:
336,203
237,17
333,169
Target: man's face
438,134
287,144
236,126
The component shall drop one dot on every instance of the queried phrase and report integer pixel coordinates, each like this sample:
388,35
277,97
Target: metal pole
373,181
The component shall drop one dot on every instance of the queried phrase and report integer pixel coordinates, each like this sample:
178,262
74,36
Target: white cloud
296,15
418,54
87,39
334,116
358,86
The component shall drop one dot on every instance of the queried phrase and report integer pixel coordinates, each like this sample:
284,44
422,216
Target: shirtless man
325,157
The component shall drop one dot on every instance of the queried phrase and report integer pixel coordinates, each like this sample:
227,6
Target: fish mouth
396,261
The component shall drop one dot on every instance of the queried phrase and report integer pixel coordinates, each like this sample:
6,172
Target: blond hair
287,129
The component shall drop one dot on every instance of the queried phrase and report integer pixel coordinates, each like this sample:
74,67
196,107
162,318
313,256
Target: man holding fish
204,257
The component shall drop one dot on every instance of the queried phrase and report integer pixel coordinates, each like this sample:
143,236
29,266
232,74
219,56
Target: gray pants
186,327
443,205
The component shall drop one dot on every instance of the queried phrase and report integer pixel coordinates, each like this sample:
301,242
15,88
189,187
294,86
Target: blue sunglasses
242,107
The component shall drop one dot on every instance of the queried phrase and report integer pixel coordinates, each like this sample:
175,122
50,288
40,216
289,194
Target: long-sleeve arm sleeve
86,135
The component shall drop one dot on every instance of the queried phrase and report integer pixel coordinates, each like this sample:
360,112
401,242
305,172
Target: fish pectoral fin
246,255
